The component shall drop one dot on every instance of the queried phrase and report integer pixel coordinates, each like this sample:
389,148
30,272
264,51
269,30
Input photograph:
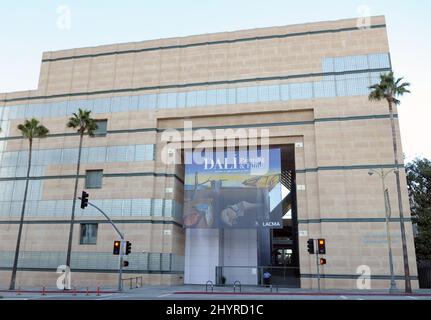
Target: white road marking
104,297
43,297
414,298
344,297
164,295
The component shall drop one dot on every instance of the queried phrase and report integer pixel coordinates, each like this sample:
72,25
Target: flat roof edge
202,38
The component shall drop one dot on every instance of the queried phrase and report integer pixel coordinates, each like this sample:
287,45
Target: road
225,293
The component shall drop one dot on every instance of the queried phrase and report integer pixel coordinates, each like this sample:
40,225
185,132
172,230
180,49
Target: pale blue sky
28,28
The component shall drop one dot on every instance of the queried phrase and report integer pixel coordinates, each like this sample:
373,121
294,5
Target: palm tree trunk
21,222
408,287
72,219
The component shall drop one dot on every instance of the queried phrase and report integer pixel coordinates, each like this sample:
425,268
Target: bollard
88,293
74,291
18,293
98,291
43,291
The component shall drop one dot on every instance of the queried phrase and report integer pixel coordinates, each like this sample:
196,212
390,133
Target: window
241,95
328,65
102,126
221,96
300,91
274,93
162,101
377,61
144,102
285,92
116,104
325,88
191,99
93,179
252,94
102,105
211,97
171,100
134,102
263,93
361,62
231,96
201,98
96,154
158,207
181,99
144,152
88,233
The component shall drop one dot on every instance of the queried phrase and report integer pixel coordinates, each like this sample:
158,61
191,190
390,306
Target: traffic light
117,247
128,247
125,263
322,261
321,246
310,246
84,200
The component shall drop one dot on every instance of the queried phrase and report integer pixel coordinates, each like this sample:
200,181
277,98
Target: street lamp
388,214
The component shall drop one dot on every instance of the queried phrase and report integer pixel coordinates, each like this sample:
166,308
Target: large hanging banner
233,189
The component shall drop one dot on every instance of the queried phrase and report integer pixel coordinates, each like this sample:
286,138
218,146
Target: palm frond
33,129
388,88
82,122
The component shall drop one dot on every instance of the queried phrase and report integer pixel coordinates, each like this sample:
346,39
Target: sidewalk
192,291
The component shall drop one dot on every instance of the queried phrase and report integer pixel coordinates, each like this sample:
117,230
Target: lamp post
383,175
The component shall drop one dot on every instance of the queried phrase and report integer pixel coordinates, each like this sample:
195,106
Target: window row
359,62
120,207
14,190
133,153
200,98
147,261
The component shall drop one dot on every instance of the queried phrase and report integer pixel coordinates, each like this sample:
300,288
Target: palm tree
390,89
84,124
30,130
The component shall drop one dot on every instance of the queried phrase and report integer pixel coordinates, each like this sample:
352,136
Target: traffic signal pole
120,270
123,242
318,247
318,266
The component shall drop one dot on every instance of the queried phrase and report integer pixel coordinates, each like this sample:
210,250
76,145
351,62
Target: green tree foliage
419,185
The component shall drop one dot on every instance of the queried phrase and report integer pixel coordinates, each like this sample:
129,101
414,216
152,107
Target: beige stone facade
343,135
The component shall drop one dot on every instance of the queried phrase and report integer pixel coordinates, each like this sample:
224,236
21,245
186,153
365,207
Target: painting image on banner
235,189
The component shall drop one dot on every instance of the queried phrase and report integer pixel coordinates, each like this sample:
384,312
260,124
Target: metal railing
134,283
237,284
273,288
210,285
253,275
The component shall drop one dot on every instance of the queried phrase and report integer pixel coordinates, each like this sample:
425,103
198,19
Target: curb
306,294
58,291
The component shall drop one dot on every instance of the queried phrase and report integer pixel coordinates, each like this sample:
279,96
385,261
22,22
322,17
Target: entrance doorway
283,264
